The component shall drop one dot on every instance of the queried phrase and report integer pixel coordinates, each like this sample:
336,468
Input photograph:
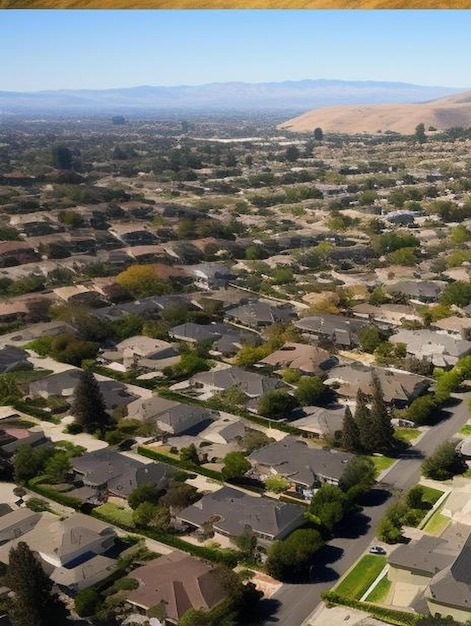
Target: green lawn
363,575
115,514
407,434
431,495
29,376
381,463
437,524
380,592
466,430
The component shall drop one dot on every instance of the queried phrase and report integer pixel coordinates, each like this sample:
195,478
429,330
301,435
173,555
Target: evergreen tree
62,157
350,432
382,431
363,421
88,405
33,603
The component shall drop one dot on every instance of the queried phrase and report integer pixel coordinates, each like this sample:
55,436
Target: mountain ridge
282,95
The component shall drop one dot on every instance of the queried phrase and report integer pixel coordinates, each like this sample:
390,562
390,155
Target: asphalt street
295,603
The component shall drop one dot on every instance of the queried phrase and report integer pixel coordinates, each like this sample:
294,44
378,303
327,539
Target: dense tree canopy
290,559
277,404
444,463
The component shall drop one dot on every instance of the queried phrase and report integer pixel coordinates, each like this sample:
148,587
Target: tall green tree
420,133
61,157
235,465
350,432
33,602
88,405
382,430
363,420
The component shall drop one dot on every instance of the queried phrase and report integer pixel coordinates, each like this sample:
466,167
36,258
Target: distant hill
291,96
402,118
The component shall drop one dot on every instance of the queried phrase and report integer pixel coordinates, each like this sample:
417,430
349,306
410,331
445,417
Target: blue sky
104,49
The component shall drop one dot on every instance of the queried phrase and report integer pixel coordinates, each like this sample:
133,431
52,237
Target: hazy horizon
57,50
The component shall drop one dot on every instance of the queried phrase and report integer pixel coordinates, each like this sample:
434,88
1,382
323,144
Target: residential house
211,276
401,218
217,380
228,298
185,252
260,313
399,388
17,253
449,591
231,512
226,339
17,523
318,421
183,419
35,331
458,327
173,418
112,473
417,562
302,466
133,234
307,358
139,350
440,349
386,314
153,253
342,331
422,291
12,358
145,307
224,430
11,438
177,582
63,384
72,551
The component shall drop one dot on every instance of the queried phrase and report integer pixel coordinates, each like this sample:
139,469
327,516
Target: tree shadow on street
265,613
353,526
375,497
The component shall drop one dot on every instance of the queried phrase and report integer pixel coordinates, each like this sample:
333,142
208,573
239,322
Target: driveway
56,433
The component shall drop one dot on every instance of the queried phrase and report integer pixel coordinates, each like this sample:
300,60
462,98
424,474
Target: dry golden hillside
402,118
235,4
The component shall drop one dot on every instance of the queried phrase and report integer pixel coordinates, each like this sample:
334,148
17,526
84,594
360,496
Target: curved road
297,602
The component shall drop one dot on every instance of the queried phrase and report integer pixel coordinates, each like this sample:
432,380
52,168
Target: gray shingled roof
120,473
261,313
428,555
233,510
295,460
254,385
343,330
452,586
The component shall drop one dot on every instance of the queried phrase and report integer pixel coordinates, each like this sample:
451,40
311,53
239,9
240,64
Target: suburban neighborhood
234,373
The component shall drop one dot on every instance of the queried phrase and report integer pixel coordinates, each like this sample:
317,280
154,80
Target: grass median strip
365,572
380,592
